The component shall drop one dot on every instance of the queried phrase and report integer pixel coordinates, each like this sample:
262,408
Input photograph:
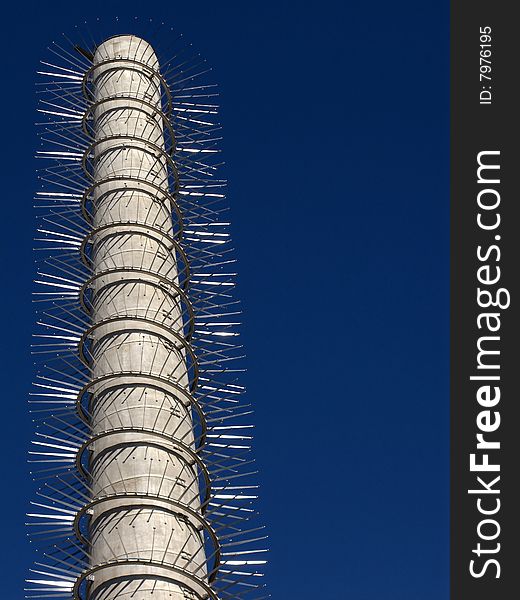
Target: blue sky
336,119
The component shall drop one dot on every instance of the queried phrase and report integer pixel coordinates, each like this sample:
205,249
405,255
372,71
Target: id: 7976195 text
485,65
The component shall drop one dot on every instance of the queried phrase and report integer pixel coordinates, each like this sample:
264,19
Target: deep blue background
336,126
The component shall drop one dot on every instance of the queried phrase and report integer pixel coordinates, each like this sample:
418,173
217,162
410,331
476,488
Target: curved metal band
90,75
157,382
154,148
176,444
133,188
156,110
143,501
154,233
151,570
168,332
163,281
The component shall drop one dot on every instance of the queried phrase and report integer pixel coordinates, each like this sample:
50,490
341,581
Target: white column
145,524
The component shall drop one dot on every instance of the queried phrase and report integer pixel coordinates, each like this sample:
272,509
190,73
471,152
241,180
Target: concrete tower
147,467
146,524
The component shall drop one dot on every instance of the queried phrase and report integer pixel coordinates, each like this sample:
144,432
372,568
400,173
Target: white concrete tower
146,526
143,432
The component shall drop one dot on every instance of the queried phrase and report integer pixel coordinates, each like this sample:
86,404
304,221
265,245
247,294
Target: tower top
126,47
